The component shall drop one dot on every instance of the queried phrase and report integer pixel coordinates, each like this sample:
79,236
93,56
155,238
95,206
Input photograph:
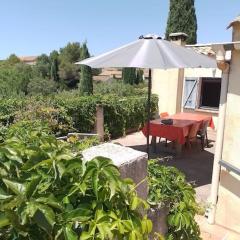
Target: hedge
77,113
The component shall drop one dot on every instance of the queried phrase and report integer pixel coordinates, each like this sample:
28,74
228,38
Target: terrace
197,165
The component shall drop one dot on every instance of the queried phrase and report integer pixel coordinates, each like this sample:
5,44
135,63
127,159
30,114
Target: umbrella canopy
151,51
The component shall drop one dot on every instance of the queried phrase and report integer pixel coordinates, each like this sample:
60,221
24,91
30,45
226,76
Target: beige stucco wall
203,72
228,207
165,85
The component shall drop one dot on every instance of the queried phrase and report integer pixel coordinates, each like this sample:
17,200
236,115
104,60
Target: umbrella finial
150,36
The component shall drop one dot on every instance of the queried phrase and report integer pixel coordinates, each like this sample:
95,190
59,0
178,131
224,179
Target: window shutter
190,93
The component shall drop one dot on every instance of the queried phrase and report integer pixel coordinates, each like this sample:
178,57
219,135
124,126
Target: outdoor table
195,117
178,131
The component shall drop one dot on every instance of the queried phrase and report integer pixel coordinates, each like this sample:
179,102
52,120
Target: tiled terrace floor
197,165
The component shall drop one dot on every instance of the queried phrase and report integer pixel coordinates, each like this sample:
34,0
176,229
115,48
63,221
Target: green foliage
54,59
129,75
68,70
69,74
168,186
70,53
8,109
86,80
84,143
43,109
14,79
41,86
13,59
122,114
43,66
182,18
47,192
139,76
67,111
132,76
54,70
120,89
82,110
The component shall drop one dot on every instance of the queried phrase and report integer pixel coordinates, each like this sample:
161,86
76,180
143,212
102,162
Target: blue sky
32,27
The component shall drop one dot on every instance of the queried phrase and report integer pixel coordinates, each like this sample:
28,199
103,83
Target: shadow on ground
195,163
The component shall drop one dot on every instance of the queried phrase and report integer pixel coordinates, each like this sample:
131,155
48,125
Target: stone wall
131,163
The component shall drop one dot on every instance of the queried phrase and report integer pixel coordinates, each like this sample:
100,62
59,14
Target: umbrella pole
149,109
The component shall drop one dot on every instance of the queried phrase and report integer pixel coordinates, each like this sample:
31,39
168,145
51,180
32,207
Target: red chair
164,115
192,135
202,134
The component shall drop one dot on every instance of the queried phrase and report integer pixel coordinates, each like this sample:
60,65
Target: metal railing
230,167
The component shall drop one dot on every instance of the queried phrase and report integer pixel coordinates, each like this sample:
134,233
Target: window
210,93
190,93
202,93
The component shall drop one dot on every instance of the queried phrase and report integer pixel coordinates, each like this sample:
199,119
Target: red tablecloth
195,117
176,132
182,123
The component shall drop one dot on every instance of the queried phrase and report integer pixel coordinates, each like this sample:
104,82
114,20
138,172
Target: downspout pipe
220,135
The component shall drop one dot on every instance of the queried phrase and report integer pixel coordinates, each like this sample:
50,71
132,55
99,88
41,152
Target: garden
46,187
48,190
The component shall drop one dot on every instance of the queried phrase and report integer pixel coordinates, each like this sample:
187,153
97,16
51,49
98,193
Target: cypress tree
86,81
54,70
139,76
54,61
182,18
129,75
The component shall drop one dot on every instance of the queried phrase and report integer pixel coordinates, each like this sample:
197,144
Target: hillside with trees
51,73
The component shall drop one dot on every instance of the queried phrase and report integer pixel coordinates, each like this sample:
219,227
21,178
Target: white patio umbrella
150,52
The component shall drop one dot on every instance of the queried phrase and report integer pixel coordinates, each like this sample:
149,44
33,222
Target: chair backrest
203,129
164,114
193,131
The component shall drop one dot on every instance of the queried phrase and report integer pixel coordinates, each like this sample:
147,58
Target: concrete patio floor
197,166
195,163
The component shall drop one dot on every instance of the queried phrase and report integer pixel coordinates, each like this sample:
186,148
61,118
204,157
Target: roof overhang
235,21
228,46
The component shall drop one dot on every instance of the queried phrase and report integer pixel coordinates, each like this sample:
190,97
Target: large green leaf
4,221
17,188
69,234
32,185
81,214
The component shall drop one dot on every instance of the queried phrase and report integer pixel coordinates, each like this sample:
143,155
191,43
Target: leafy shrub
41,86
14,79
168,186
43,109
122,114
82,111
47,192
118,88
68,111
8,108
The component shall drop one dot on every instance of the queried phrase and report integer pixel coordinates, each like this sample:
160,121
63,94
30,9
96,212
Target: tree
71,52
41,86
54,59
13,59
54,70
68,71
129,75
43,66
139,76
14,79
182,18
86,81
